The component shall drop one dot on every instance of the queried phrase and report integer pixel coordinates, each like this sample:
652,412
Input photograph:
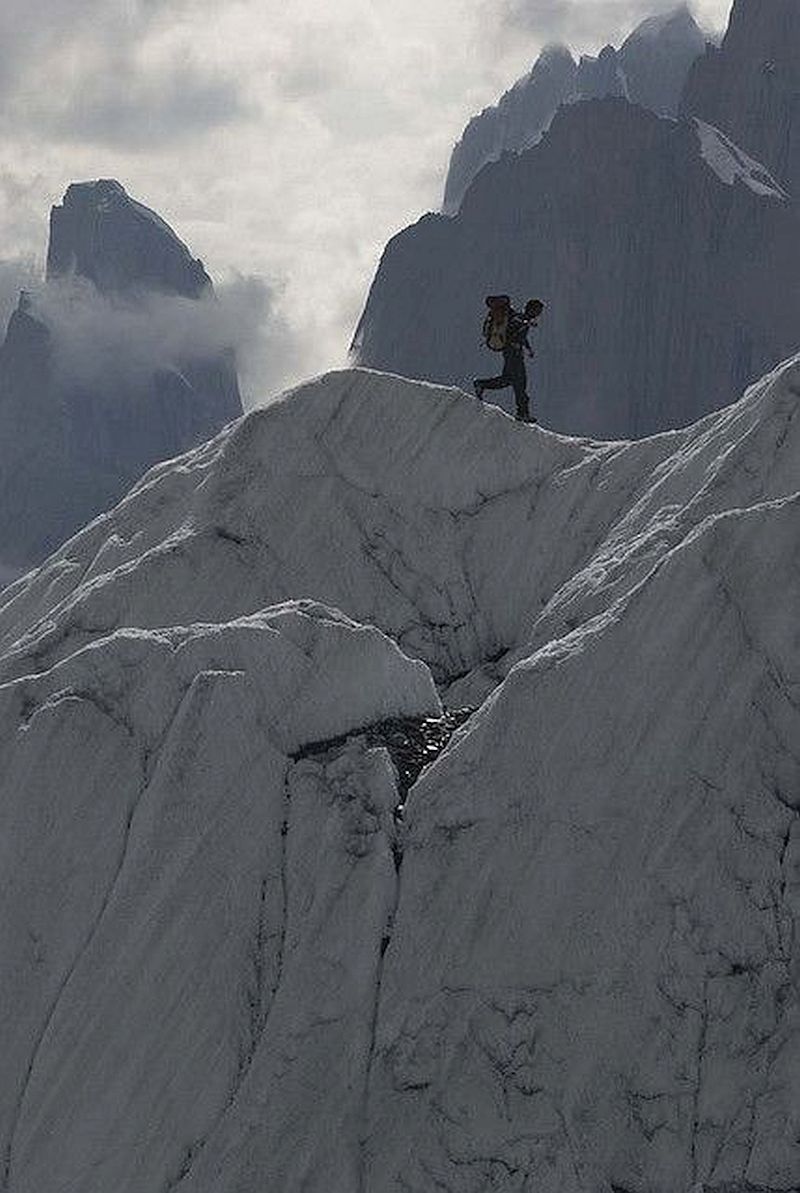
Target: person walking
506,331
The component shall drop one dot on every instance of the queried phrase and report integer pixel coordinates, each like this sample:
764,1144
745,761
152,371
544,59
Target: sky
285,142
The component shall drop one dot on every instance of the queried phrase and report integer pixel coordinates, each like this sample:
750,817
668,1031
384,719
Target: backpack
495,325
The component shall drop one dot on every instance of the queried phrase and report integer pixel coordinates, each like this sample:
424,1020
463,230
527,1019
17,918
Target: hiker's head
533,308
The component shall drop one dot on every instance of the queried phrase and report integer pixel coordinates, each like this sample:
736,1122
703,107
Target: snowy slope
154,851
592,980
569,963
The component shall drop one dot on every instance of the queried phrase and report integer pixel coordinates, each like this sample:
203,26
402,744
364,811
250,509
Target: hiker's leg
506,377
493,382
520,383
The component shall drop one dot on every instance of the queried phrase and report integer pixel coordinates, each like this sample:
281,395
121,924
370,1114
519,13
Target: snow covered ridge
405,505
571,965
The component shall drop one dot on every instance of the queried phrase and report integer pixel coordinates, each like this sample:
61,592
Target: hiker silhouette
506,330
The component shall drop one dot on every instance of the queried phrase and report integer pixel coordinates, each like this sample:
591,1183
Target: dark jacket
517,333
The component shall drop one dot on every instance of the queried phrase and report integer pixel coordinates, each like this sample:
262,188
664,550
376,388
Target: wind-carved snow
732,164
593,970
569,961
192,914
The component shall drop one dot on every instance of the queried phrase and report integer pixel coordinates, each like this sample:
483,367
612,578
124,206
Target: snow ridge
566,961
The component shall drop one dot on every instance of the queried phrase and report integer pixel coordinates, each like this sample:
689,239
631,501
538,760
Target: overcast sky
284,140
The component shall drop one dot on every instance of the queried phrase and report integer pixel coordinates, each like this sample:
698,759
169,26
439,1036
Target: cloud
113,72
579,23
128,108
103,342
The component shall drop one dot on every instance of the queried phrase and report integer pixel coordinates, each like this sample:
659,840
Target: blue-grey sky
285,142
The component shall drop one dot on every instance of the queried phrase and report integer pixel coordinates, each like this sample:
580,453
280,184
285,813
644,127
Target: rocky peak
649,69
101,233
657,56
517,121
677,24
599,77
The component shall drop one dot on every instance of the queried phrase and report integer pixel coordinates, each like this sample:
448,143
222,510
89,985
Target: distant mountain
99,232
650,69
667,259
750,85
657,56
75,435
240,951
515,123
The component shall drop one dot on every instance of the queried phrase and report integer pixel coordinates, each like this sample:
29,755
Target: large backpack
495,325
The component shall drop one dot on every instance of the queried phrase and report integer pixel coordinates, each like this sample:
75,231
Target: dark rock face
649,69
413,743
750,85
516,122
69,449
657,57
666,288
100,233
599,77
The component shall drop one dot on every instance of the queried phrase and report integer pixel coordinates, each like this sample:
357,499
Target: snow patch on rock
731,164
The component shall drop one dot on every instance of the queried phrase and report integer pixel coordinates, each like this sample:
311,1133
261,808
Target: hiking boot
476,385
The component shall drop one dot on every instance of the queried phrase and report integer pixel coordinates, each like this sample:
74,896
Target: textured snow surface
569,963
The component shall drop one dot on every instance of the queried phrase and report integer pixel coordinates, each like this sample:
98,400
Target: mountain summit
650,69
99,232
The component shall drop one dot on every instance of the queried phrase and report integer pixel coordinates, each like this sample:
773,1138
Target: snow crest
241,959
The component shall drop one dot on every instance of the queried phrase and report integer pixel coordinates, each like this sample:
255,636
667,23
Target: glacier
241,955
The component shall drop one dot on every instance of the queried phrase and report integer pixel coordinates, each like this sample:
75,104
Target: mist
109,342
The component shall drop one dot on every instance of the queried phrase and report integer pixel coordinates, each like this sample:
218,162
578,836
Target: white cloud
100,341
592,25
